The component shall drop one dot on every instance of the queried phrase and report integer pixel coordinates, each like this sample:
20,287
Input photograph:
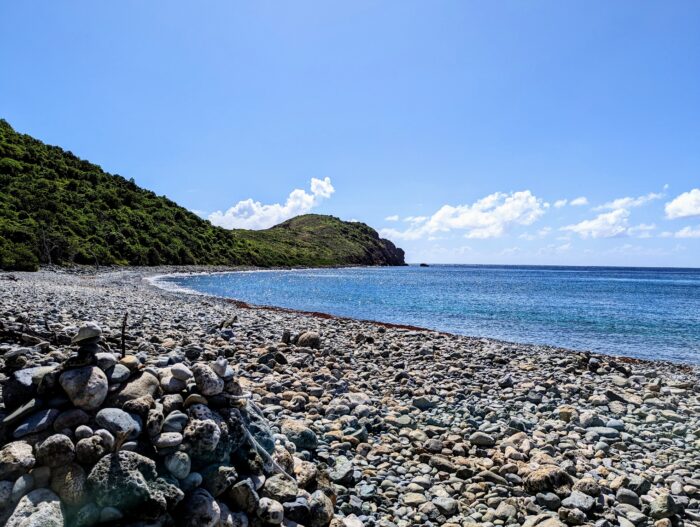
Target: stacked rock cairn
105,439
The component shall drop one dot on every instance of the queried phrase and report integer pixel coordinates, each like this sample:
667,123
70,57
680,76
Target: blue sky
473,120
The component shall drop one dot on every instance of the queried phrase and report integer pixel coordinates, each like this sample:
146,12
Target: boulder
482,439
579,500
200,509
89,331
22,384
55,450
39,508
548,478
321,510
16,459
270,511
70,419
69,482
280,488
232,519
145,384
217,479
89,450
117,421
298,433
309,339
664,506
36,423
178,464
180,371
243,496
208,382
127,481
86,387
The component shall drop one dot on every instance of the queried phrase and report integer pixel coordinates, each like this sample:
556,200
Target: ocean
636,312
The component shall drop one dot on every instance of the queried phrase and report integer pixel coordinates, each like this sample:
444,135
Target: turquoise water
637,312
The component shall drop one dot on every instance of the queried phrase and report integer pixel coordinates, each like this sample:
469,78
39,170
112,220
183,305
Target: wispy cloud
629,202
393,217
554,249
543,232
250,214
415,219
685,232
643,230
576,202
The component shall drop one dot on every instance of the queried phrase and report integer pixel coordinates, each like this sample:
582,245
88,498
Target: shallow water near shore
637,312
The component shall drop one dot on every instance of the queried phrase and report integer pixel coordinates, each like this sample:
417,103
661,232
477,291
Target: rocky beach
126,404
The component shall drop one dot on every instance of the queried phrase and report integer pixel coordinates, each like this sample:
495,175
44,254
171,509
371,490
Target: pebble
167,440
180,371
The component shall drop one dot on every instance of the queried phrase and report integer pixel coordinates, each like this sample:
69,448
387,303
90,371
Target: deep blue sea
637,312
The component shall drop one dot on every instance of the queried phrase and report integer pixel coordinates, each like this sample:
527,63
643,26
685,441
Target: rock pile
92,437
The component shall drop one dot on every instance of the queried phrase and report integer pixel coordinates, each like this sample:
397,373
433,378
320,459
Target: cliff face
58,209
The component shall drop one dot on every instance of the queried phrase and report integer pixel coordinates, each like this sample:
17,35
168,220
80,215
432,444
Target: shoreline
152,280
416,427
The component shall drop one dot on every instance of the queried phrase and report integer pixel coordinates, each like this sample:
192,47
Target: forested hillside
56,208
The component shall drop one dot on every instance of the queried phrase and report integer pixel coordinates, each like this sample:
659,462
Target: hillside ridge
56,208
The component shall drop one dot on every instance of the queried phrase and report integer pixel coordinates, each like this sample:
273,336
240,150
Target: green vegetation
58,209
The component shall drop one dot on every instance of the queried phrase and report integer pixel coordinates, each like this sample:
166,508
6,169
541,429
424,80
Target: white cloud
322,188
576,202
393,217
629,202
616,222
489,217
610,225
685,205
685,232
415,219
606,225
249,214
